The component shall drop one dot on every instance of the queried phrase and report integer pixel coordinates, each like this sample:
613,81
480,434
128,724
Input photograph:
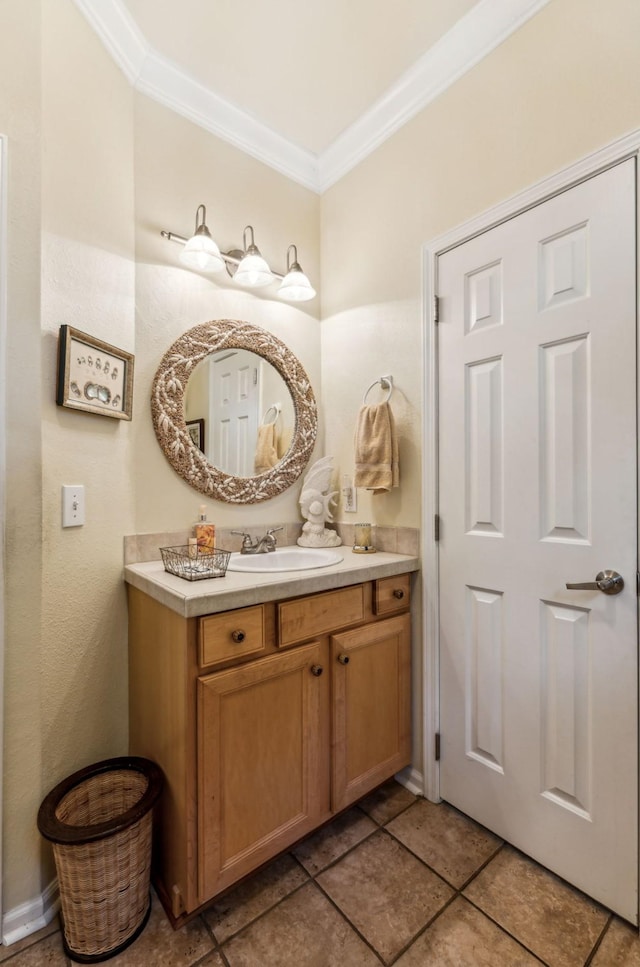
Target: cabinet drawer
318,614
232,634
391,594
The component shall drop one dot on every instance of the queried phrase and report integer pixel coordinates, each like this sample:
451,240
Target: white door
537,483
235,392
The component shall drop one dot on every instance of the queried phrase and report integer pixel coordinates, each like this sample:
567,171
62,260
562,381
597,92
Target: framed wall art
93,376
195,429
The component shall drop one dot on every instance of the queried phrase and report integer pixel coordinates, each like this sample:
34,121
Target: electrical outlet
349,495
72,505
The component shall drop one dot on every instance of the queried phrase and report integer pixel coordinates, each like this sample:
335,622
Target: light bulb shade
295,287
253,271
202,253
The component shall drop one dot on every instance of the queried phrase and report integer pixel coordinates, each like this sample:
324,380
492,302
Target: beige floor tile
33,938
330,842
452,844
254,897
159,944
45,953
556,922
620,947
464,937
386,892
213,960
305,930
386,802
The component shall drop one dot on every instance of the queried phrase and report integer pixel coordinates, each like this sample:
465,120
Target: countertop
238,589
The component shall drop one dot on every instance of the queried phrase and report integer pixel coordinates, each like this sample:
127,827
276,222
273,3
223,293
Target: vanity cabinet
267,721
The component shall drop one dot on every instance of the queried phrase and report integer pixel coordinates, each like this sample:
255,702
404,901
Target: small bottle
205,533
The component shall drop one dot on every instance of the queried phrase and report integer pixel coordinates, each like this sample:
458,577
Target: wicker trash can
99,821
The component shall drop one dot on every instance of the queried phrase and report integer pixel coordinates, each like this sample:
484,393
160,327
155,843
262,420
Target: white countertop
238,589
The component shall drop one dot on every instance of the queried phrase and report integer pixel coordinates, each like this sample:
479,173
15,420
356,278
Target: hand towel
376,445
266,456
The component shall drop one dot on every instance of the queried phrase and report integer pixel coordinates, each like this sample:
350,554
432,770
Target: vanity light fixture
200,251
247,266
253,270
295,287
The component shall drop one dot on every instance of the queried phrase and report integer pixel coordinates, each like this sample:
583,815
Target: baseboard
31,916
412,780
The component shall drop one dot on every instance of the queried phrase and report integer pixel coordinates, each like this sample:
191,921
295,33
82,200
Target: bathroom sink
285,559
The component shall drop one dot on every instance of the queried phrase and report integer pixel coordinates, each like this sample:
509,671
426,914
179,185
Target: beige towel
376,458
266,456
284,441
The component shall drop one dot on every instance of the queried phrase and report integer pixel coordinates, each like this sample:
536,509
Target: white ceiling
308,86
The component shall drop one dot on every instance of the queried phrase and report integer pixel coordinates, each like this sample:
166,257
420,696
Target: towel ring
386,382
276,408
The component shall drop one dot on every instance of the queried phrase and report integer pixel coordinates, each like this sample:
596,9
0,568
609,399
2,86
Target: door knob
609,582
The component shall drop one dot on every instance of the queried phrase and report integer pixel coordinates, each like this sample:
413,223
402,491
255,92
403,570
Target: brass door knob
316,670
343,659
399,594
238,636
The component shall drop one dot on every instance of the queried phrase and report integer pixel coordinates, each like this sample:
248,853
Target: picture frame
195,429
93,375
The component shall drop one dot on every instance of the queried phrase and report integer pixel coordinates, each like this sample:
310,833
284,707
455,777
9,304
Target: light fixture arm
295,265
201,226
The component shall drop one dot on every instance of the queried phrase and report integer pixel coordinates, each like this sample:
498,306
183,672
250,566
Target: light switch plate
72,505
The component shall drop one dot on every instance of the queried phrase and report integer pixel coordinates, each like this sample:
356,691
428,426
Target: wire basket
195,563
99,822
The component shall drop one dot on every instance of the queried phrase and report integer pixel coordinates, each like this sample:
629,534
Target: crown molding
469,40
166,83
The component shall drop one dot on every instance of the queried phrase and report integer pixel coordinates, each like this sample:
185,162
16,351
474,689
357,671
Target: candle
363,535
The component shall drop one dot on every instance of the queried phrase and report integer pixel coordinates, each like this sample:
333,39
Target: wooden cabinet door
262,762
371,707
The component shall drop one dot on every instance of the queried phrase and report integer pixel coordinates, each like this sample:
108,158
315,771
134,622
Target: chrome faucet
258,546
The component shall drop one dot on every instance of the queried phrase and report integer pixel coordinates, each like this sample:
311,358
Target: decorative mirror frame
167,411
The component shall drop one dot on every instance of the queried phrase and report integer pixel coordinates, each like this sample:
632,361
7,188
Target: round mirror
223,358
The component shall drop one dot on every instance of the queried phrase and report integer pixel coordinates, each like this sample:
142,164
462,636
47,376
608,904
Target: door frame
3,453
606,157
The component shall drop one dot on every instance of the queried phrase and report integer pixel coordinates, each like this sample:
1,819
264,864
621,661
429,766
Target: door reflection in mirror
247,408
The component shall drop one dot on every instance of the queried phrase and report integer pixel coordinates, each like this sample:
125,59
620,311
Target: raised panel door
371,734
262,762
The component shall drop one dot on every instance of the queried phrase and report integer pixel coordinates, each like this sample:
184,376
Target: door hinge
436,527
436,309
437,747
255,377
638,583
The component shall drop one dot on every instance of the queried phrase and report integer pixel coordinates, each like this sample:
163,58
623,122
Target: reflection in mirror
275,455
247,410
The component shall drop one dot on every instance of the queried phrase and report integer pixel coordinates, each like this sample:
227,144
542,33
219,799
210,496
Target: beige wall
95,173
69,119
562,86
87,282
20,120
179,166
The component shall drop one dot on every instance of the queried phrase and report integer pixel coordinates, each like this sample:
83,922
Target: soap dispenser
205,533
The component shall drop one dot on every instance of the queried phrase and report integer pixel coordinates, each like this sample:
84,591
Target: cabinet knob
399,594
238,636
343,659
316,670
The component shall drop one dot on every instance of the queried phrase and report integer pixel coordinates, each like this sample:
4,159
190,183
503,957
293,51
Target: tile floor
395,880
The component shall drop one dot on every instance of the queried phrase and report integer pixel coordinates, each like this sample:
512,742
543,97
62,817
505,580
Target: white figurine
314,505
